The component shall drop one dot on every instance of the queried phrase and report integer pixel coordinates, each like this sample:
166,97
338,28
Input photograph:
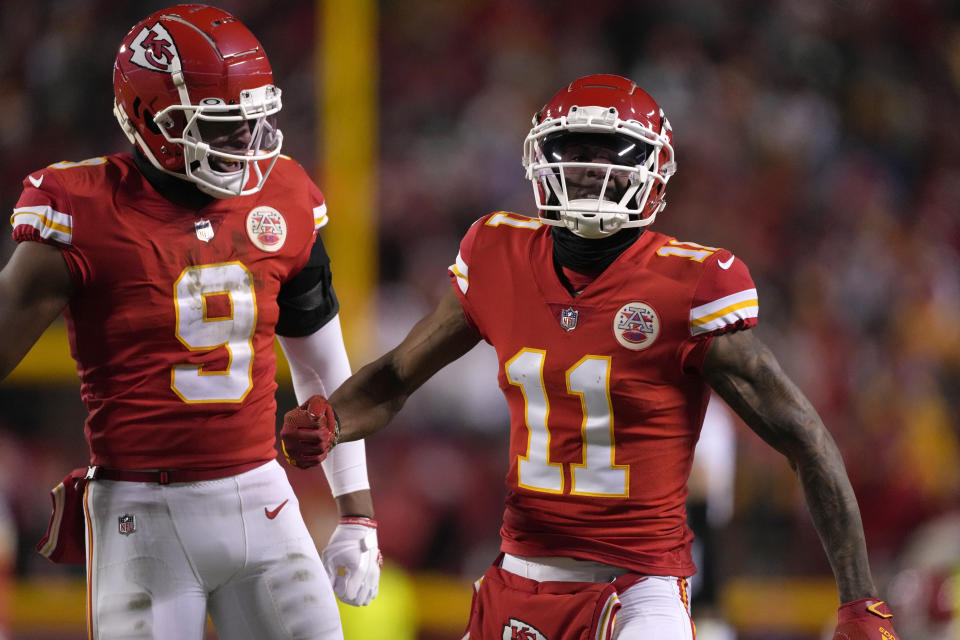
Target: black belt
167,476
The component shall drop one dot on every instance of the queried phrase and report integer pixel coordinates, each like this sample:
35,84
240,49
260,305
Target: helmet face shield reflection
611,147
600,167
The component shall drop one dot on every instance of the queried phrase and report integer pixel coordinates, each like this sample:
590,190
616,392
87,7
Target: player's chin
591,193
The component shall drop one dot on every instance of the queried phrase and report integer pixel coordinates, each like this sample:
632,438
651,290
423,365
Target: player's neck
179,192
587,257
590,256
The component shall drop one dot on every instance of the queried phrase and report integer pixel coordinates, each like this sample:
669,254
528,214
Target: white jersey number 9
216,307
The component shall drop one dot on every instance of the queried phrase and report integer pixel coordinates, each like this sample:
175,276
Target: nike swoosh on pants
273,514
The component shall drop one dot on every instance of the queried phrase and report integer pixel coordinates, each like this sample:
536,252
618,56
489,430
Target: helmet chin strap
593,219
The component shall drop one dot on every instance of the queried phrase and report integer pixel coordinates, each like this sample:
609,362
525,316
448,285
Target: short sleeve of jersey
44,214
307,300
459,273
725,300
320,218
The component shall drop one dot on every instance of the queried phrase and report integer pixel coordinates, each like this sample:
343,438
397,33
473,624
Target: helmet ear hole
150,124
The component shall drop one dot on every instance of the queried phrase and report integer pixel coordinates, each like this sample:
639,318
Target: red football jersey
604,388
172,318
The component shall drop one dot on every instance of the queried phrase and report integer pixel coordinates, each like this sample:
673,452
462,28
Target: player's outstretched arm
352,558
748,377
369,399
35,287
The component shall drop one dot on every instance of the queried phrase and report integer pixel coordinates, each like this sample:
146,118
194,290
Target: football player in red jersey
175,267
610,337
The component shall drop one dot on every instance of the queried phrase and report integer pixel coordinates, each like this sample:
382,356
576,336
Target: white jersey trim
320,218
51,224
460,270
724,312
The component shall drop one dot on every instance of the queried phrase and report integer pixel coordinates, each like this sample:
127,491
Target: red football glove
309,432
865,619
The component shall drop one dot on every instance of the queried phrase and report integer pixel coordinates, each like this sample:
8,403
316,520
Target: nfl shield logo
128,524
204,230
568,319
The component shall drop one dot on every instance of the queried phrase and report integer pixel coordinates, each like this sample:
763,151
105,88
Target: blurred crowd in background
818,140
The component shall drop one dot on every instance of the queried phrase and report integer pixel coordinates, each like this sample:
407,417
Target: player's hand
865,619
309,432
353,561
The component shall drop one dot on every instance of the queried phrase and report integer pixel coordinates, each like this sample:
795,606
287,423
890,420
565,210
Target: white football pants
656,607
160,557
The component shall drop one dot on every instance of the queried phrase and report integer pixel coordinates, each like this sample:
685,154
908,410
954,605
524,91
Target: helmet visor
605,148
594,166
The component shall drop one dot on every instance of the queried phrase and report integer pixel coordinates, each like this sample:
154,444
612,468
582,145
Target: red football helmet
194,91
627,187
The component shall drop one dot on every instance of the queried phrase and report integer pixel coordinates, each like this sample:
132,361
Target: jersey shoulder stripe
724,311
489,229
320,218
47,221
460,270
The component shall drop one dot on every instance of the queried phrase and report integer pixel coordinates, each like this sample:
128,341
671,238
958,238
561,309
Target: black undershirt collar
178,191
589,256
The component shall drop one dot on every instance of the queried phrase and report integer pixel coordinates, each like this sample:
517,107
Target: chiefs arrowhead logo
520,630
153,49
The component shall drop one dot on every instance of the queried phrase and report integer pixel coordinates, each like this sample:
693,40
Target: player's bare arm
34,288
748,377
356,504
367,401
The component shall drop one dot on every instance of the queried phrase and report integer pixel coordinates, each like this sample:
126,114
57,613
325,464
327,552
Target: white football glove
353,560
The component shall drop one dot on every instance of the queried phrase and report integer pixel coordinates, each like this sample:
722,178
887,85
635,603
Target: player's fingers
305,463
313,451
353,584
338,582
363,597
369,590
309,435
325,559
296,445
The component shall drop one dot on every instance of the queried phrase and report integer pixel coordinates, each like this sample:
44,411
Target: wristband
361,520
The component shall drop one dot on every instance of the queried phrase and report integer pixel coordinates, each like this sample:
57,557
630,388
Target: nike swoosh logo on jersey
725,264
36,181
273,514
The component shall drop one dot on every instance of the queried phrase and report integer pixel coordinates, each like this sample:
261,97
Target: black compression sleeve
308,301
